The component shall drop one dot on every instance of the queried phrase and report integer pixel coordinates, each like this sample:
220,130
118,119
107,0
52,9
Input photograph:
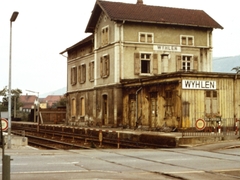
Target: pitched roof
27,101
118,11
82,42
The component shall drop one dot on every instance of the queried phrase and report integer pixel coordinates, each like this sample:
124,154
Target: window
104,66
211,103
105,36
73,107
82,73
73,75
186,63
146,37
145,63
91,71
187,40
82,107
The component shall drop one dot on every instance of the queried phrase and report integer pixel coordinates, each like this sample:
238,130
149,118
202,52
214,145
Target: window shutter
155,63
178,62
79,74
195,63
84,71
108,66
136,64
101,67
89,71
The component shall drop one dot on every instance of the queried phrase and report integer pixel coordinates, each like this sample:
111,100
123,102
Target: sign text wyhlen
198,84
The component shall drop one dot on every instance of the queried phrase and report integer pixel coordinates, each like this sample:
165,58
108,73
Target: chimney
139,1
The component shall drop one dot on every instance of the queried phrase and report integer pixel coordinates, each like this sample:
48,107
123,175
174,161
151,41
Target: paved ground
210,161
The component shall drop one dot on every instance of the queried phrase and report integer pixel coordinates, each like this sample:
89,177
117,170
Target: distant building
147,65
27,102
50,101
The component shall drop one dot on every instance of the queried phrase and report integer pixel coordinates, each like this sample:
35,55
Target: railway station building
150,66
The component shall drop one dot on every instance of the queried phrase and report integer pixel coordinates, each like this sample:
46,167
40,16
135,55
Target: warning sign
200,124
4,123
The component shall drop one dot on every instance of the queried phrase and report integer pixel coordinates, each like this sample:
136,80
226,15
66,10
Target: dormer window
146,37
187,40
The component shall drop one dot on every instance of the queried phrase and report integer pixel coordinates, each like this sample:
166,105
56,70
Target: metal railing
215,127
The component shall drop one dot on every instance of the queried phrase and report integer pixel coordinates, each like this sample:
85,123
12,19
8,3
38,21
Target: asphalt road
214,161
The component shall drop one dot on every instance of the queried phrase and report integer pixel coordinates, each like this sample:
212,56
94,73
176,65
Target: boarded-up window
105,66
82,106
73,75
211,103
73,107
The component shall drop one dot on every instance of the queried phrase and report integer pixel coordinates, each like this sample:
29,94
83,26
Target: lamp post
36,103
12,19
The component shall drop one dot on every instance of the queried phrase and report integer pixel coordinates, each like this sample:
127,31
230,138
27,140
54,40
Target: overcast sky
44,28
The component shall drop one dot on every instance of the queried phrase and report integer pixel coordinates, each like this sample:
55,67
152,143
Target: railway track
63,137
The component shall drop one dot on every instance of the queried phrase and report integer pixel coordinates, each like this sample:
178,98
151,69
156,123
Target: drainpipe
137,104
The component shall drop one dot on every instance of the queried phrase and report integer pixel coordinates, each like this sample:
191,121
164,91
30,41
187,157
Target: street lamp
13,18
36,103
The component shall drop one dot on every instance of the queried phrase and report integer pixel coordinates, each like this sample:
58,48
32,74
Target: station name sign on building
167,48
198,84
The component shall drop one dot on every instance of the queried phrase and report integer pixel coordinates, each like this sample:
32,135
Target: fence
214,127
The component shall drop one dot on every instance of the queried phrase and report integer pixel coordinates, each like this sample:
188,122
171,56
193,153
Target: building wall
165,36
153,108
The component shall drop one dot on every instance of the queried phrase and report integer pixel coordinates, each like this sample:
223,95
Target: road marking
63,163
186,172
46,172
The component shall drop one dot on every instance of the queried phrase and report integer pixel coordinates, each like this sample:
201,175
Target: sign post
5,158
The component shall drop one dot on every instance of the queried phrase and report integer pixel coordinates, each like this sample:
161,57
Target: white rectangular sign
199,84
167,48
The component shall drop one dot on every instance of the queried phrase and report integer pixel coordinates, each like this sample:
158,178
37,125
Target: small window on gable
146,37
73,75
187,40
105,36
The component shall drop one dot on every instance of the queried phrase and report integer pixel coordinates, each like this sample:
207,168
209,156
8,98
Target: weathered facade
147,65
